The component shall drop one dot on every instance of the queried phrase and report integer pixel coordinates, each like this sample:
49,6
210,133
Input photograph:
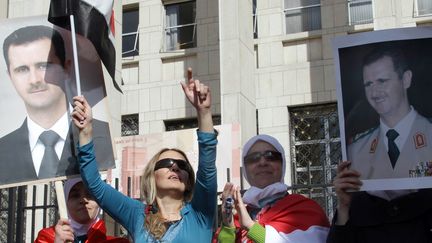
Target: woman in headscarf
83,224
271,214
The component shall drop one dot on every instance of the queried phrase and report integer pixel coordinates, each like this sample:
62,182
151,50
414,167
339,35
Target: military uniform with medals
368,152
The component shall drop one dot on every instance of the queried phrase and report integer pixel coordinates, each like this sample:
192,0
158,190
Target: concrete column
237,66
4,7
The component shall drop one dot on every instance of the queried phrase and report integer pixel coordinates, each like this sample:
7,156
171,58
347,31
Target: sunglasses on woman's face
268,155
168,163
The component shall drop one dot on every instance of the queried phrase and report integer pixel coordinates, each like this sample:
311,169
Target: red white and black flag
93,20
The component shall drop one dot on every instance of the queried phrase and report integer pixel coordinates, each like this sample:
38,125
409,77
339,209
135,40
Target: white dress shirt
61,127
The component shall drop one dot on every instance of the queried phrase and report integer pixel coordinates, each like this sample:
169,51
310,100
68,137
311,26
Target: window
360,12
130,125
315,152
130,43
302,15
424,7
187,123
255,19
180,30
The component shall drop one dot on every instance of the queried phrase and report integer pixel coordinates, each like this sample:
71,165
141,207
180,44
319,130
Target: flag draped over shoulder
92,20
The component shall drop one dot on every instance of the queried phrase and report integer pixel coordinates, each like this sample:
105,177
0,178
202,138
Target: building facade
269,64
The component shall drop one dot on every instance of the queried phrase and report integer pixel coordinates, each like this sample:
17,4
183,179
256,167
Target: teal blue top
197,215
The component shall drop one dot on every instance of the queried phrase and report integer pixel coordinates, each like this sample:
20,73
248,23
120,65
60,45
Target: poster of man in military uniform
384,86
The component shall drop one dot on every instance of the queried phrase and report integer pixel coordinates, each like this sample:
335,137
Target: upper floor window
255,19
180,25
423,7
360,12
302,15
130,43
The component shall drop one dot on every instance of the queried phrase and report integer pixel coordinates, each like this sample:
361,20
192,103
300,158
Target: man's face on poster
385,90
37,73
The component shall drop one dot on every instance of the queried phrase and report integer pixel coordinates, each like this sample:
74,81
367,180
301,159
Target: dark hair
33,33
396,54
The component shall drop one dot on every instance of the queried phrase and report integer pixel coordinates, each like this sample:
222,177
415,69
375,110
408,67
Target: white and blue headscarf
260,197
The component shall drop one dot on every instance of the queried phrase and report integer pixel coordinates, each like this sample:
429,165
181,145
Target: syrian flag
94,20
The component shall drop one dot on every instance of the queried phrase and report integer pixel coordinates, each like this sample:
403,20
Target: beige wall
152,79
297,69
237,66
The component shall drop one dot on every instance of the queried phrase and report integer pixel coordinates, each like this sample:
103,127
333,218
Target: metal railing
304,18
360,12
23,213
422,8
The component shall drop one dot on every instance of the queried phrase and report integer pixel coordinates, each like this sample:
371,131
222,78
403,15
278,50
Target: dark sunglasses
168,163
268,155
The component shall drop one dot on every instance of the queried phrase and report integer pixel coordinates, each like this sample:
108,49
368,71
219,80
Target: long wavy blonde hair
154,222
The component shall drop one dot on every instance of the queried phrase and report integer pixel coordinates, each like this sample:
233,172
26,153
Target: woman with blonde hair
175,208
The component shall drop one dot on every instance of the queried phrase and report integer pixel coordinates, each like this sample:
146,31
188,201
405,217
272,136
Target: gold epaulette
363,134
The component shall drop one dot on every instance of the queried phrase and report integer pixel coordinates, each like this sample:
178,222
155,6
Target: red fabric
286,215
294,212
96,234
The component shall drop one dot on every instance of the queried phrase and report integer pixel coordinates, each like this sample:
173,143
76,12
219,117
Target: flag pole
75,55
61,202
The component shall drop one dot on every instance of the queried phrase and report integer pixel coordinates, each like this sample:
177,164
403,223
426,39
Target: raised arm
199,96
123,209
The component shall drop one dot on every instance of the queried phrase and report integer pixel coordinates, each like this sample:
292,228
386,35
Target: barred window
315,152
302,15
360,12
187,123
130,125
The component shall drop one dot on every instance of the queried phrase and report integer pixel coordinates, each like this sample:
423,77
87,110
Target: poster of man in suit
383,85
37,139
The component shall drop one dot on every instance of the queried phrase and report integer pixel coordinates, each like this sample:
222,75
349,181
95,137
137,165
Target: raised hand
63,232
345,182
228,204
197,93
82,117
199,96
245,220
